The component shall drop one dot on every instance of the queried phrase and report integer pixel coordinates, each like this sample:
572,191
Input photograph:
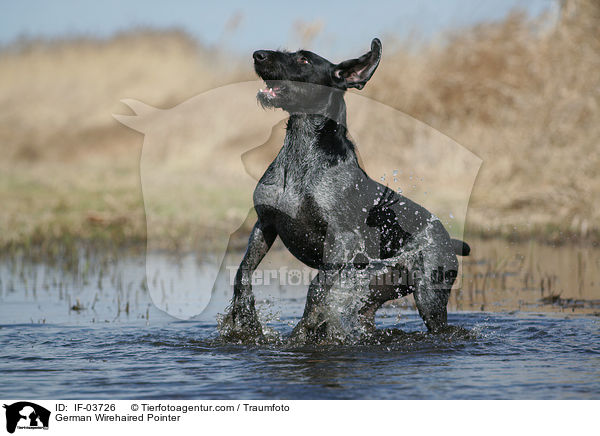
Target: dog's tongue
270,91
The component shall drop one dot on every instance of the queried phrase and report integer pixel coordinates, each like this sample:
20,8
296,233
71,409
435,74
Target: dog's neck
312,143
315,135
322,131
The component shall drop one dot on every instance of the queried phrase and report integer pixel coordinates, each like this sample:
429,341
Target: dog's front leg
241,323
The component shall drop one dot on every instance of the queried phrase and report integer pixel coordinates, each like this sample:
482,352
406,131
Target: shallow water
96,334
533,357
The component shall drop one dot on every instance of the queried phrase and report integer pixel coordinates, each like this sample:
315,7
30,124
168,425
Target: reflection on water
532,312
502,276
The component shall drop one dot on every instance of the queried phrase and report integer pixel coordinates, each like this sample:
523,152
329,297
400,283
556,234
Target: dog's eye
303,60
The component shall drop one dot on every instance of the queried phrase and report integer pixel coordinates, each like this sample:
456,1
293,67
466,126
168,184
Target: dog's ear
355,73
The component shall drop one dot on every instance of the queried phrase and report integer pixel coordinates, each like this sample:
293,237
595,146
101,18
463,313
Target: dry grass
69,170
522,94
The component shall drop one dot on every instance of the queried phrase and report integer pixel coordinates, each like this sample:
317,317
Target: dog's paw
241,324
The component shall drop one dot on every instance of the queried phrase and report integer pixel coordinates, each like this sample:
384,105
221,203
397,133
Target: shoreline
50,246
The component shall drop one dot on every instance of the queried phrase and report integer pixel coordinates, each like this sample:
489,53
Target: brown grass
522,94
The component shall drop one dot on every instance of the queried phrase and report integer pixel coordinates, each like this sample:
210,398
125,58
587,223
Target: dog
328,212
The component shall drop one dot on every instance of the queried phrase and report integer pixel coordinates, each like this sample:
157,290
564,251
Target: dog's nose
260,55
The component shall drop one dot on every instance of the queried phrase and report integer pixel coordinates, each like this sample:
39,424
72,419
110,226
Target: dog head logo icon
26,415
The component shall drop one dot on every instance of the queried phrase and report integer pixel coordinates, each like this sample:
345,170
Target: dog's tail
460,248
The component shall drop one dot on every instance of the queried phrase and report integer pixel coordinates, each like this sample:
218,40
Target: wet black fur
326,209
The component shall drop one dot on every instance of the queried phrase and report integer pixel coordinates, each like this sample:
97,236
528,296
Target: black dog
328,212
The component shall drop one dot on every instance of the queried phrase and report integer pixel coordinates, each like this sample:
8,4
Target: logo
26,415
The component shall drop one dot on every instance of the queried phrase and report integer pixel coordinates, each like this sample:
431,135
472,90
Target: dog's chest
285,196
304,188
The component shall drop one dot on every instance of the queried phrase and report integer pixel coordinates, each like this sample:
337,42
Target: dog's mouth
271,90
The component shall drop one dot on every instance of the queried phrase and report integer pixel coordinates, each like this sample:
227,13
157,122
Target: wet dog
329,213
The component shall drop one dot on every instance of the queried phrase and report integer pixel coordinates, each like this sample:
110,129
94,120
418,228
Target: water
529,357
84,337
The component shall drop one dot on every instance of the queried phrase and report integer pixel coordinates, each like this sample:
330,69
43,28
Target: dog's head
303,81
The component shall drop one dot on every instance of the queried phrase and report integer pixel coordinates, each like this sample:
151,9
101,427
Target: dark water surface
511,356
96,334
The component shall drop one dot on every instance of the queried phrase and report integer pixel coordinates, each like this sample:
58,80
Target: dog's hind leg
313,326
432,289
432,304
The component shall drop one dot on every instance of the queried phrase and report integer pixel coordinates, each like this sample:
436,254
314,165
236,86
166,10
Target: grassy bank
522,94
